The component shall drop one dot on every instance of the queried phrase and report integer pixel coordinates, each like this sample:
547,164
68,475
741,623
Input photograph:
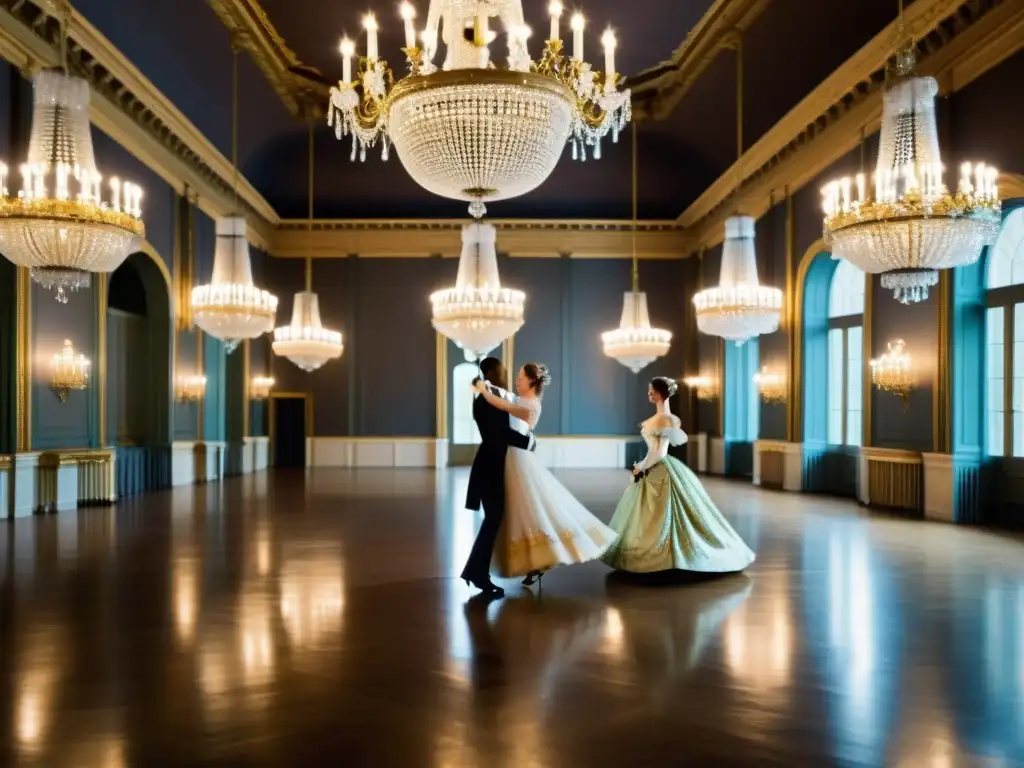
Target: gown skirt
667,521
544,524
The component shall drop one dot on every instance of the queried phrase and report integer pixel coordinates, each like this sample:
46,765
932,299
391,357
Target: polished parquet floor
292,619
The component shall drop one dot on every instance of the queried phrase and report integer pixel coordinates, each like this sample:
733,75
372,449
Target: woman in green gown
665,519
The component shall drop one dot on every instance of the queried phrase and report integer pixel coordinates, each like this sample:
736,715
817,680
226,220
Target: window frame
845,323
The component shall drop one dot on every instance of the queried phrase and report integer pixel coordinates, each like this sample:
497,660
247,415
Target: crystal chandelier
739,308
230,307
190,389
892,371
634,343
305,341
906,225
70,372
477,313
771,385
470,130
64,223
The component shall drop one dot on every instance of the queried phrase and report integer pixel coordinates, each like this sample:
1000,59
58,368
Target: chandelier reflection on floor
905,224
472,130
477,313
634,343
65,223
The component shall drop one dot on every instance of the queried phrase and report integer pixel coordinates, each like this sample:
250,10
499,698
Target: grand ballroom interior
254,251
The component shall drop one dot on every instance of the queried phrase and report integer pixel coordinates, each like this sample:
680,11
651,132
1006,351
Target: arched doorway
139,373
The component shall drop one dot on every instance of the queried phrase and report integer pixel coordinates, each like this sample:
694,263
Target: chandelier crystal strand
905,224
305,341
475,130
64,223
740,308
477,313
230,307
634,343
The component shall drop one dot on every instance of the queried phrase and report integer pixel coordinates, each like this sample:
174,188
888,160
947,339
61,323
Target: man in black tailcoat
487,478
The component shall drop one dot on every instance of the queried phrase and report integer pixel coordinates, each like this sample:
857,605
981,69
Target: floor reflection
298,619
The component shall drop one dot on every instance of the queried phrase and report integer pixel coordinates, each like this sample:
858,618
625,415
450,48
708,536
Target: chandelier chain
636,264
309,225
234,119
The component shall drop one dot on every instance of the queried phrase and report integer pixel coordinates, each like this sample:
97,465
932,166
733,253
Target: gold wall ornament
771,385
260,386
892,372
190,389
69,372
705,387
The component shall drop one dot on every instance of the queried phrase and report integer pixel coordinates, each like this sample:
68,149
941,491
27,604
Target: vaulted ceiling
686,91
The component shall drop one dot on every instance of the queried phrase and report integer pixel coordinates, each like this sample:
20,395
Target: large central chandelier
477,314
634,343
739,308
230,307
473,130
906,225
305,341
65,223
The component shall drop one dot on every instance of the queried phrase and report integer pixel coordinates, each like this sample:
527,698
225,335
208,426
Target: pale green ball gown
667,521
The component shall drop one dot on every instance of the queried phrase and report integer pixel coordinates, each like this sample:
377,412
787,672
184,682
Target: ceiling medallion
634,343
471,130
64,223
739,307
477,314
906,225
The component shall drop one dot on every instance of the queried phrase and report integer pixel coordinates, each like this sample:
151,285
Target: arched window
1004,335
845,355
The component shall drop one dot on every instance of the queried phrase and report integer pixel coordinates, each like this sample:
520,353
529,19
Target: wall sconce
190,389
704,386
260,386
891,372
771,385
70,371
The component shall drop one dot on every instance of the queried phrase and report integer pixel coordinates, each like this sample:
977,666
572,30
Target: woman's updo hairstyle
538,375
664,386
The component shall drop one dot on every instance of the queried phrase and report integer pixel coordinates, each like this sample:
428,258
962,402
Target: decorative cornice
129,108
380,238
302,88
658,90
957,42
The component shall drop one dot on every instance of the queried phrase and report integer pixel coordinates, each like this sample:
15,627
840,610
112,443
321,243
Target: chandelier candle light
230,307
65,222
905,224
305,341
892,371
634,343
477,313
702,386
771,385
260,386
70,372
190,389
739,308
472,129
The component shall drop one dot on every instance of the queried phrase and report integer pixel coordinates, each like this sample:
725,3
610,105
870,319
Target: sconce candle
190,389
892,371
704,386
70,371
260,386
771,385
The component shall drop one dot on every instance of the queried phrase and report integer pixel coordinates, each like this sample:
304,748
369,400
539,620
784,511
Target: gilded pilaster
24,361
441,387
246,365
940,391
789,315
867,350
200,363
102,288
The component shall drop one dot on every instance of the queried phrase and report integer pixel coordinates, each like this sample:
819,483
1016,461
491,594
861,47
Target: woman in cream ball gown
665,520
544,524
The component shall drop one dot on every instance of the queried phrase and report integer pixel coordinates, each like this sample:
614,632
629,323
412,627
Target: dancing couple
664,521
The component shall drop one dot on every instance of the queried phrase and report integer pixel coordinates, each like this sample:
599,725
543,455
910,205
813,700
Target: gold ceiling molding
658,90
302,88
958,42
132,111
441,237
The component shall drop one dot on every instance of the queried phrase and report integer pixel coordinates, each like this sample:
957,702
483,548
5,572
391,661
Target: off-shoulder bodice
652,435
533,405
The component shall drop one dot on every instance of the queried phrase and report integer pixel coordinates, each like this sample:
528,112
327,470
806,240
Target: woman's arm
520,412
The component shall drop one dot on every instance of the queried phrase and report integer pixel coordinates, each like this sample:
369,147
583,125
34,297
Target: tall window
742,400
464,429
845,355
1004,334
